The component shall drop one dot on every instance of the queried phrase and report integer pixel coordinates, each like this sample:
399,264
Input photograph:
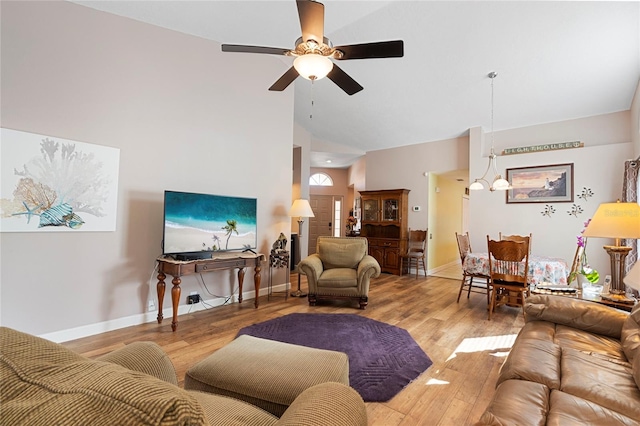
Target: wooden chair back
417,241
508,261
525,238
464,245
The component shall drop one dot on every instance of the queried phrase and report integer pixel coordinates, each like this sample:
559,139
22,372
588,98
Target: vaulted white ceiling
555,61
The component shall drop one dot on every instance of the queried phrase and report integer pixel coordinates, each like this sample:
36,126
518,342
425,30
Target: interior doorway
322,223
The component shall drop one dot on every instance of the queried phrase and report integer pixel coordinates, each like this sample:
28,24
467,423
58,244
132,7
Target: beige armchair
340,269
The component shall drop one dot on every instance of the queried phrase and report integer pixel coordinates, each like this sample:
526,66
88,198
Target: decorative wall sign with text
543,147
53,184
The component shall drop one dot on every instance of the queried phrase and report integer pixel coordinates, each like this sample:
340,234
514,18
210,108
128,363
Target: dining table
542,269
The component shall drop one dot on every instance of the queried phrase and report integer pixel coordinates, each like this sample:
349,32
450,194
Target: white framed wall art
50,184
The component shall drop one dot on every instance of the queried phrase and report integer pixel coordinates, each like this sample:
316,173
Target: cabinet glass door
391,210
370,210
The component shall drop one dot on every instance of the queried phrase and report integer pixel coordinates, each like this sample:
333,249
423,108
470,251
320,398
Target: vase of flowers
584,271
351,224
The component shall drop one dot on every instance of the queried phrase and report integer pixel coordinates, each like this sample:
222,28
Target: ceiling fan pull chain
311,113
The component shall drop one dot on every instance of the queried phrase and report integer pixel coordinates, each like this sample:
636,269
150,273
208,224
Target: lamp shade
476,186
313,66
632,279
615,220
301,208
501,184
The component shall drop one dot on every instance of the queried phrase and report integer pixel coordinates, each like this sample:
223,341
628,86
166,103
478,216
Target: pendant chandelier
499,183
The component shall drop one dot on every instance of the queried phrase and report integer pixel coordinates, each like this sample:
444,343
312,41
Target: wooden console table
177,269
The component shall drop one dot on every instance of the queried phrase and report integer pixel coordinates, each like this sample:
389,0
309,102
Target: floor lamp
617,221
300,209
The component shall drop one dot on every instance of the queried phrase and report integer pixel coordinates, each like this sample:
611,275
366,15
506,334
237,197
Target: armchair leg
364,301
312,299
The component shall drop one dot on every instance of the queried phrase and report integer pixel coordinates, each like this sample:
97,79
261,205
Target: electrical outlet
151,306
193,298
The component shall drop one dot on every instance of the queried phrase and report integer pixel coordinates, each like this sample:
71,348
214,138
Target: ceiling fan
313,52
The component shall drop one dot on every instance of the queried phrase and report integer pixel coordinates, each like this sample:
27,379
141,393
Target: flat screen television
196,225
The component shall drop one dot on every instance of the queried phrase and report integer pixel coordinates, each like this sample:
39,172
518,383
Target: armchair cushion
338,278
342,252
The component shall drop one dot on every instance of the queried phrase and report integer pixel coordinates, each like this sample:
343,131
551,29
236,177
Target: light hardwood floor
466,349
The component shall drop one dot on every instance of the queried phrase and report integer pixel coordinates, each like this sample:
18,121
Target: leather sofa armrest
144,357
312,267
580,314
328,403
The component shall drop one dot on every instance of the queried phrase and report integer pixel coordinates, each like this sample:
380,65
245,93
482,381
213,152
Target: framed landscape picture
541,184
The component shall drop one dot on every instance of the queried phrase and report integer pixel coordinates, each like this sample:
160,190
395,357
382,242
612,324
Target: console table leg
256,282
240,281
160,289
175,300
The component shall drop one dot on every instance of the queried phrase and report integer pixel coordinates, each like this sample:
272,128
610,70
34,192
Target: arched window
320,179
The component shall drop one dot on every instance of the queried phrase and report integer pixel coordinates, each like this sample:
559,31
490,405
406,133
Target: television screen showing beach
202,222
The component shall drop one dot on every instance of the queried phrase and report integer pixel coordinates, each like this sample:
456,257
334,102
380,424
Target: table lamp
617,221
300,209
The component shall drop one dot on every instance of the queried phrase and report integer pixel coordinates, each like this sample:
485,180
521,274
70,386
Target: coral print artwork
53,184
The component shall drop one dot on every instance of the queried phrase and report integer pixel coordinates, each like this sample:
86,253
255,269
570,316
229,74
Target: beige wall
177,108
598,166
405,167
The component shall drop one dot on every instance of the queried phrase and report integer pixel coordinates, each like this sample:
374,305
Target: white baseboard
441,267
118,323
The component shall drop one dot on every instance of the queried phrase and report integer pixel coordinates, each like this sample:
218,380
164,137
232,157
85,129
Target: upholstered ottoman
266,373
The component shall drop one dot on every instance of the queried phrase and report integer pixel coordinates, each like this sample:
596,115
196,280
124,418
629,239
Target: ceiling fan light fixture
313,66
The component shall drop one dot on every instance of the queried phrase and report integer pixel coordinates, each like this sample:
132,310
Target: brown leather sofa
573,363
43,383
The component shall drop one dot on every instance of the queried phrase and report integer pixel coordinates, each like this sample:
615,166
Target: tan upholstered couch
573,363
340,268
43,383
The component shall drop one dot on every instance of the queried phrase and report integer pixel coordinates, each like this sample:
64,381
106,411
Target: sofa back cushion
45,383
631,334
580,314
341,252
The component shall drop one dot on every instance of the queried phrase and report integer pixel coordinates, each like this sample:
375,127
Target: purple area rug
383,358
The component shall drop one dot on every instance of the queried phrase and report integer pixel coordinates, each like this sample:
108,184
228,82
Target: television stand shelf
178,268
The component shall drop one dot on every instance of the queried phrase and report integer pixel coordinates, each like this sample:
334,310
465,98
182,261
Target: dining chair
464,247
508,270
526,238
416,250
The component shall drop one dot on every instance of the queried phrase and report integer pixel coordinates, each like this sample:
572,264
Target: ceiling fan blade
381,49
284,81
311,16
253,49
343,80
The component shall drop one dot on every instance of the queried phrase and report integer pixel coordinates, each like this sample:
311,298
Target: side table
277,261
